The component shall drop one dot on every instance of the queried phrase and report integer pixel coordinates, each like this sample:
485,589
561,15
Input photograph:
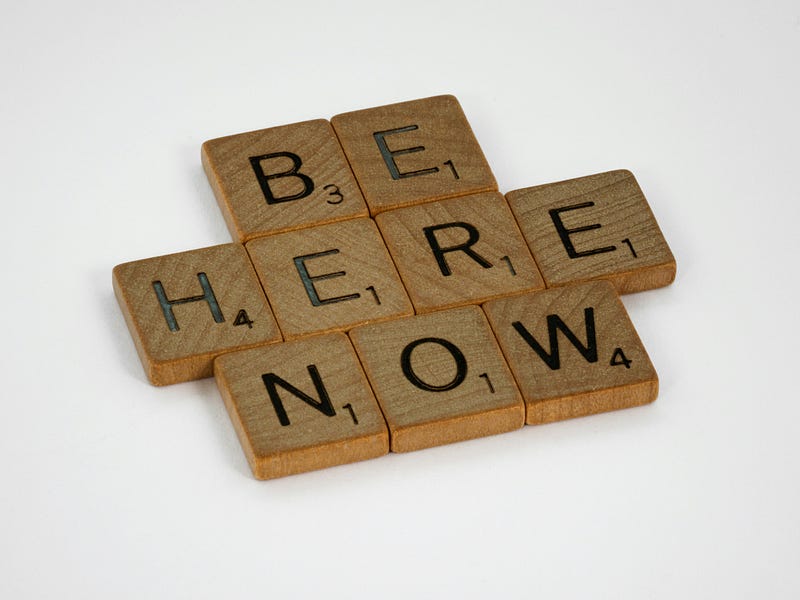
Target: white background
112,488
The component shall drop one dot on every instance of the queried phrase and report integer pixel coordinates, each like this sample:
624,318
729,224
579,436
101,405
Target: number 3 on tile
335,193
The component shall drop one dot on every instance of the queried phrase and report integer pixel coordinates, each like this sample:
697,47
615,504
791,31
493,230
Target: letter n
323,405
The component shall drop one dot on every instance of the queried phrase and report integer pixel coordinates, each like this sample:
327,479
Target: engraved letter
308,280
264,178
564,233
466,247
554,323
388,155
458,357
207,295
323,405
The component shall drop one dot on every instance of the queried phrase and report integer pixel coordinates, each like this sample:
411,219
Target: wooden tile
184,309
573,351
329,277
459,251
281,178
439,378
595,227
413,152
301,405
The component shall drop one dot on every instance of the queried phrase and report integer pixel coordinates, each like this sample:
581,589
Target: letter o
458,356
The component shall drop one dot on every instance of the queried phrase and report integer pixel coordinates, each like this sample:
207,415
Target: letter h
207,295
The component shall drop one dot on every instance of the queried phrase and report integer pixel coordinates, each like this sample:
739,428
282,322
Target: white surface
112,488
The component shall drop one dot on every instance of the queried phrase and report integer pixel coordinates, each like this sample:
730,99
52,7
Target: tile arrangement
382,295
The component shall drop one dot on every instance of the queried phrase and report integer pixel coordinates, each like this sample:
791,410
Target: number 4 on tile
619,359
243,319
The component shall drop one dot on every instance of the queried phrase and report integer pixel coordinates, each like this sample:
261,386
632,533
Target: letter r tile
329,277
594,227
184,309
439,378
459,251
413,152
573,351
301,405
282,178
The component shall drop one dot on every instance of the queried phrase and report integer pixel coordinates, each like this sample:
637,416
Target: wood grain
329,278
178,342
607,232
454,386
490,348
413,152
459,251
307,178
300,406
567,378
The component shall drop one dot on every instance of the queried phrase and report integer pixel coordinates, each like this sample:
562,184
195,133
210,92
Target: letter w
554,324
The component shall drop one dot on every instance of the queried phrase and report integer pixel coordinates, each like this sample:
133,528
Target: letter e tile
184,309
301,405
439,378
413,152
595,227
573,351
329,277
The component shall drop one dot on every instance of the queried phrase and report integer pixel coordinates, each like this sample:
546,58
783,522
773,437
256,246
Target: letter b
265,178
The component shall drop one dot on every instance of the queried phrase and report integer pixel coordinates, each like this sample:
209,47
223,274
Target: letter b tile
439,378
282,178
301,405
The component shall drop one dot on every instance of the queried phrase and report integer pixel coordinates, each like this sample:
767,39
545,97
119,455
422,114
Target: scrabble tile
459,251
573,351
329,278
595,227
281,178
413,152
184,309
439,378
301,405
